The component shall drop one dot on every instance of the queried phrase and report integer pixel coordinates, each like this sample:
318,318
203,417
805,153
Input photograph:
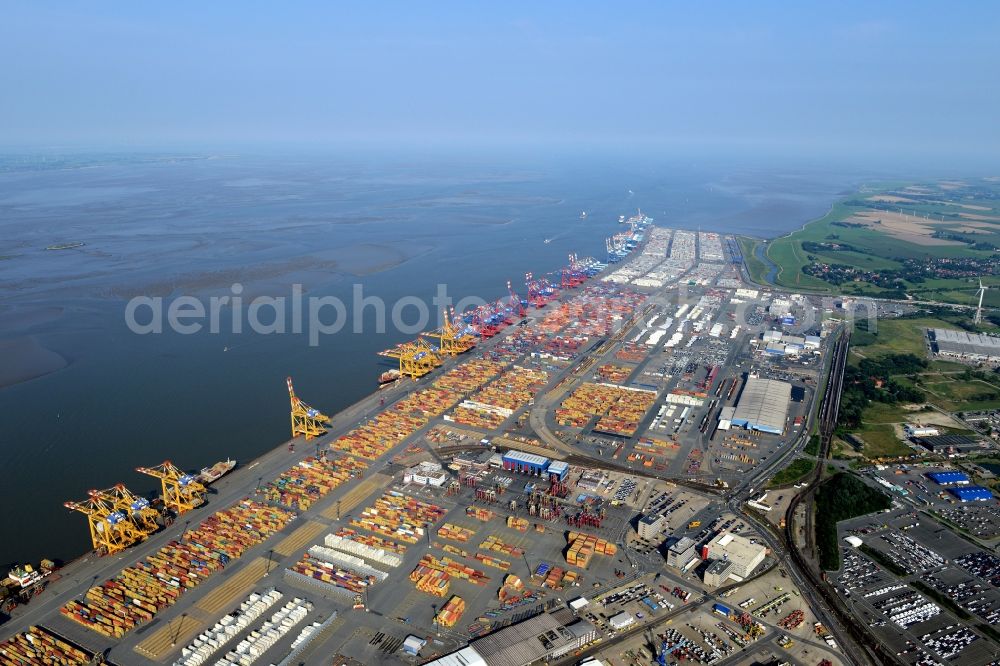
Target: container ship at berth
388,378
217,471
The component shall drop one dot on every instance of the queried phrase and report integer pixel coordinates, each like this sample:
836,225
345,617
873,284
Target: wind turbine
978,319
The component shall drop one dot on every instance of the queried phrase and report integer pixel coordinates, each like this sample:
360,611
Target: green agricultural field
883,251
859,259
942,382
897,336
941,366
881,413
954,394
881,442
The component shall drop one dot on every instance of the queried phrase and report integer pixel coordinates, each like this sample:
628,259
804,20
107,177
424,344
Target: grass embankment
798,469
756,267
888,563
842,497
941,599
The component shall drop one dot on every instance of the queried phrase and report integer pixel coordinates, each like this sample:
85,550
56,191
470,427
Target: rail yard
562,462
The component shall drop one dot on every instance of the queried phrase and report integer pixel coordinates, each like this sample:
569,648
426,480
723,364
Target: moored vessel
216,471
388,378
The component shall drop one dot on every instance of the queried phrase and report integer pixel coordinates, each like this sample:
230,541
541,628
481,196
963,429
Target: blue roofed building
528,463
949,478
971,493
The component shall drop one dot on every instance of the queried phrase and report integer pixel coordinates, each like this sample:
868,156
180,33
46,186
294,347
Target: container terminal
548,475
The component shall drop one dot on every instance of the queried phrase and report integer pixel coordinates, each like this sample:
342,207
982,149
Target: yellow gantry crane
416,358
181,491
306,421
451,340
111,531
142,515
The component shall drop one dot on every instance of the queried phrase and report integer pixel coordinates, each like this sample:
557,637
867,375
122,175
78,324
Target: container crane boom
416,358
306,421
110,530
143,516
181,492
451,339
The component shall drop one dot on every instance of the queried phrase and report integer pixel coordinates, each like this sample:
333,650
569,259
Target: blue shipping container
722,610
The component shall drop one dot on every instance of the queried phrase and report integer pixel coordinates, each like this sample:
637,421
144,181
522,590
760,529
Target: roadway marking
164,640
299,538
225,595
355,495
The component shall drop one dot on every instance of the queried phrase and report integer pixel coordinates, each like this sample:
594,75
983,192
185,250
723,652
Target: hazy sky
896,76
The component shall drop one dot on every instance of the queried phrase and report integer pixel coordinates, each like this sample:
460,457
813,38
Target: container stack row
455,533
138,592
332,575
370,540
38,645
479,513
449,567
497,545
302,485
494,562
372,553
352,562
253,647
469,376
399,517
451,612
211,640
519,524
582,548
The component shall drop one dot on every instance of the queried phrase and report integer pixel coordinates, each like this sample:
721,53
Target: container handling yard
549,466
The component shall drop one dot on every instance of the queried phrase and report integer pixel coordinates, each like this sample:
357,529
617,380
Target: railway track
858,634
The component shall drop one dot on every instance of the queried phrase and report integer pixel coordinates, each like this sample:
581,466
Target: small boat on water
216,471
548,240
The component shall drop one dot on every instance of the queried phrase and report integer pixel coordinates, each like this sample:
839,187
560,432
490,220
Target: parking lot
923,590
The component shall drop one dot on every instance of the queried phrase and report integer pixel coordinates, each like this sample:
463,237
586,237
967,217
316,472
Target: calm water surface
105,400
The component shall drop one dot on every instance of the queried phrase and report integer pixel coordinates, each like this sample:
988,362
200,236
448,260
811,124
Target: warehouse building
649,527
763,405
527,463
971,493
621,621
917,430
541,638
950,444
949,478
467,656
426,473
558,470
726,417
965,345
737,551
